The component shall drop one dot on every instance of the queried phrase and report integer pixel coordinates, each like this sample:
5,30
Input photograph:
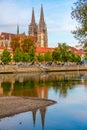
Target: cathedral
39,30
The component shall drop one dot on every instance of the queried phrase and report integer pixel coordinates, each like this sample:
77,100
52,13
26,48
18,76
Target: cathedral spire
33,26
42,31
41,15
33,16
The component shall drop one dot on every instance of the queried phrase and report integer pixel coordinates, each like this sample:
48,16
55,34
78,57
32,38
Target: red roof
43,50
2,47
76,51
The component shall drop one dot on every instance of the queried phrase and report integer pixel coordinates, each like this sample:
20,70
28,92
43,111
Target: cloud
11,13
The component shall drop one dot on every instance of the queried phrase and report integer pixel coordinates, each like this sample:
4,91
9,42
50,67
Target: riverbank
41,68
12,105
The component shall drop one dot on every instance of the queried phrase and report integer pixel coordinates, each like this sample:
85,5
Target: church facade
39,30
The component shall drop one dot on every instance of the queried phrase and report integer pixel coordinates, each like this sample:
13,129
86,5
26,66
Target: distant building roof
2,47
76,51
5,35
43,50
9,36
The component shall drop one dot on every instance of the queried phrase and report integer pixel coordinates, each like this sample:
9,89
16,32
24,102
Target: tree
85,57
6,57
79,12
61,53
56,55
48,56
71,56
32,54
77,58
17,55
40,57
15,43
27,43
25,57
63,48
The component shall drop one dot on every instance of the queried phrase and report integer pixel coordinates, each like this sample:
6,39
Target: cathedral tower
42,31
33,26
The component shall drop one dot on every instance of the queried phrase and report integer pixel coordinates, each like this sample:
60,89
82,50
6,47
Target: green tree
79,12
17,57
77,58
48,56
71,56
63,48
61,53
40,57
85,57
6,57
25,57
32,54
56,55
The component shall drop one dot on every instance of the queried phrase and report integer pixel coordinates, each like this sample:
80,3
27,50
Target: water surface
68,89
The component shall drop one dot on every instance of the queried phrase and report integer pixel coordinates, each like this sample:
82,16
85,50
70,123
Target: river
69,89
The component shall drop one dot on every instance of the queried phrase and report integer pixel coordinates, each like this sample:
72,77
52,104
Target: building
76,51
40,30
33,26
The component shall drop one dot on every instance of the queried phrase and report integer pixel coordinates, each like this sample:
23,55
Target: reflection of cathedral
42,114
42,92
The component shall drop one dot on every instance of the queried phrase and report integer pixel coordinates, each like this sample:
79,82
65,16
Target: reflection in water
42,114
66,114
37,85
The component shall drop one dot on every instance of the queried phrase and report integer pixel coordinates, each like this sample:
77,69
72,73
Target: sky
57,15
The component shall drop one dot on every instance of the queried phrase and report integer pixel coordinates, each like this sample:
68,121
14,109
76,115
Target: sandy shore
14,105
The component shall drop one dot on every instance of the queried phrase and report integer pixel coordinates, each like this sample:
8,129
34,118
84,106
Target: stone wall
26,69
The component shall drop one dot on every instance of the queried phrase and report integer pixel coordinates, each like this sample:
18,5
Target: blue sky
57,14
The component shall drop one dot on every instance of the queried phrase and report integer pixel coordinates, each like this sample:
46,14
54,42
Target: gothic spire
17,29
33,26
41,15
33,17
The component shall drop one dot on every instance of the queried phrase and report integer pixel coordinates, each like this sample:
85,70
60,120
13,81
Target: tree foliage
48,56
40,57
15,43
6,57
56,55
27,43
25,57
63,54
79,12
32,54
17,55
